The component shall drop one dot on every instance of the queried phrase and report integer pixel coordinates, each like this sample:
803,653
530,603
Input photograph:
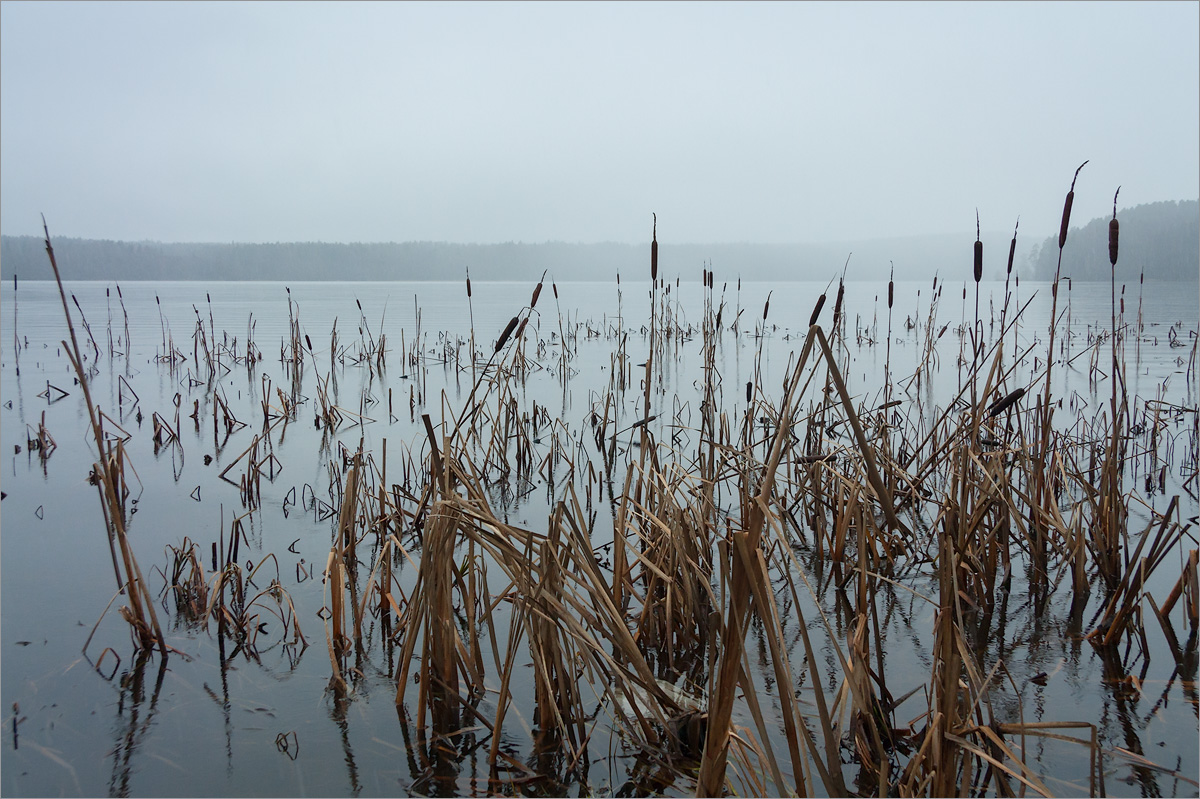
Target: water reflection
134,719
1030,630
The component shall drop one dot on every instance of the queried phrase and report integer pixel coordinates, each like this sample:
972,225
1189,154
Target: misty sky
492,122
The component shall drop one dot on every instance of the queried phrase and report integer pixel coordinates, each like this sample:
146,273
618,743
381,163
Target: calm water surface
207,724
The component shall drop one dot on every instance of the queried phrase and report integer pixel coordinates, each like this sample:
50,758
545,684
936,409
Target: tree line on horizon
1163,239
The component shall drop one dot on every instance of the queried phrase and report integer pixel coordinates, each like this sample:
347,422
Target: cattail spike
978,250
1066,218
1012,248
1114,232
837,305
654,250
512,323
812,320
1001,405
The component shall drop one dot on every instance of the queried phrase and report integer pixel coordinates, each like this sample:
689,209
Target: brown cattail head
468,286
1001,405
536,293
837,305
1012,248
1113,235
521,328
508,329
1066,218
978,250
1114,229
749,387
767,305
891,286
654,250
812,320
554,286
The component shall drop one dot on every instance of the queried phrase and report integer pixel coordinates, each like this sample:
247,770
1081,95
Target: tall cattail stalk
1042,491
1062,240
887,362
977,330
1012,251
1112,506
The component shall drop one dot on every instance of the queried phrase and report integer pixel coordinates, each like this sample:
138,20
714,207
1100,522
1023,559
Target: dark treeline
92,259
1162,239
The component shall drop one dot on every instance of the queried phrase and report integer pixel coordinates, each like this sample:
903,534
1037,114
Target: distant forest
1163,239
91,259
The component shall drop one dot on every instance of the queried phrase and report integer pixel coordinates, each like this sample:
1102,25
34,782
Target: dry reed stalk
712,767
1124,601
141,615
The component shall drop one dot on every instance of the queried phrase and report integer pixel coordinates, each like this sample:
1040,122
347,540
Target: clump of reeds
716,535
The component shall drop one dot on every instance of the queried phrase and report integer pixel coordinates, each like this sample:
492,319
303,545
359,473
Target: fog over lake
766,123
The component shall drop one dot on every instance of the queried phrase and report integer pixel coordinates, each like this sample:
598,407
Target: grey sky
465,122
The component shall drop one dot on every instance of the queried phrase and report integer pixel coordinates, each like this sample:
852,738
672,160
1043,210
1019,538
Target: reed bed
730,625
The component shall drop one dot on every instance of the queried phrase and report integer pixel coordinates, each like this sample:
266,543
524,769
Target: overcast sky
492,122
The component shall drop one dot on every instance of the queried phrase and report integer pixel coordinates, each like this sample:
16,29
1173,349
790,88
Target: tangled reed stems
784,529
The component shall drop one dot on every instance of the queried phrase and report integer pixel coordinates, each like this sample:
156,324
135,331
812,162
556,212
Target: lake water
96,722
